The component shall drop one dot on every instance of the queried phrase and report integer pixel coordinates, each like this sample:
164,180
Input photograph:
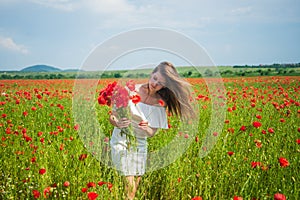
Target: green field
43,156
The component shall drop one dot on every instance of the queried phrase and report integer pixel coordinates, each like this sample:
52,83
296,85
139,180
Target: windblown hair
176,92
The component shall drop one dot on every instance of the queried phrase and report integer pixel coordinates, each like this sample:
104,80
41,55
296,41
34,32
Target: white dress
132,162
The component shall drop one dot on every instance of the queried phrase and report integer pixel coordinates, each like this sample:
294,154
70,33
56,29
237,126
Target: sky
63,33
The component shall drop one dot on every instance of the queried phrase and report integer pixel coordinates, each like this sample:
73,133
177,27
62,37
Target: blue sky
62,33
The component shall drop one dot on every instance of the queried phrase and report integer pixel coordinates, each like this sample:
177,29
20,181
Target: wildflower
109,186
255,164
237,198
83,156
42,171
161,102
100,183
47,191
279,196
197,198
33,159
135,99
230,153
256,124
283,162
270,130
282,120
92,195
243,128
91,184
76,127
66,183
36,194
258,116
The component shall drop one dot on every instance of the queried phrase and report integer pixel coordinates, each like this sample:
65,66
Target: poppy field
256,156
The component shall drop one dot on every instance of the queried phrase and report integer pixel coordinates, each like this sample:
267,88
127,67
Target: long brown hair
176,92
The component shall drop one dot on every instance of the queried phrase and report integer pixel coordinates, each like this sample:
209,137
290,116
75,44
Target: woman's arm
149,130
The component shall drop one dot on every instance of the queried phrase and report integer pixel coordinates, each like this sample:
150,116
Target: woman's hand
122,123
144,125
119,123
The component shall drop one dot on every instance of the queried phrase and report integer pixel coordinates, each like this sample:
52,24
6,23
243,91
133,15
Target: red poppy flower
36,194
256,124
109,186
298,141
82,156
135,99
197,198
258,116
92,195
33,159
255,164
91,184
84,190
237,198
243,128
100,183
279,196
47,191
282,120
258,144
101,100
76,127
66,183
270,130
230,153
283,162
42,171
161,102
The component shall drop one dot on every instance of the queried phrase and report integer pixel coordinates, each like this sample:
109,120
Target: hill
41,68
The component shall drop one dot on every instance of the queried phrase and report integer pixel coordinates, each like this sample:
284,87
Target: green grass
215,176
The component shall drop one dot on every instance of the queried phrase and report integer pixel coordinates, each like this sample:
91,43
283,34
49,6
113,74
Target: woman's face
156,82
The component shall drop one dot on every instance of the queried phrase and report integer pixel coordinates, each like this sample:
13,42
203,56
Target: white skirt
130,162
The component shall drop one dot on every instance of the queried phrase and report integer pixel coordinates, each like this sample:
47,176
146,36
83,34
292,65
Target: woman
165,90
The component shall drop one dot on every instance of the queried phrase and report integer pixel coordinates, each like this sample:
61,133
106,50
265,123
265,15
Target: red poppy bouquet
120,96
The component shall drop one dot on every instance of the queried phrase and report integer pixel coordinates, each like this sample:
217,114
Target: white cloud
8,43
109,6
242,10
65,5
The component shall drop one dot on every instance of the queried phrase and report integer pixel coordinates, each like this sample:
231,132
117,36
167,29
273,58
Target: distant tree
208,72
117,75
